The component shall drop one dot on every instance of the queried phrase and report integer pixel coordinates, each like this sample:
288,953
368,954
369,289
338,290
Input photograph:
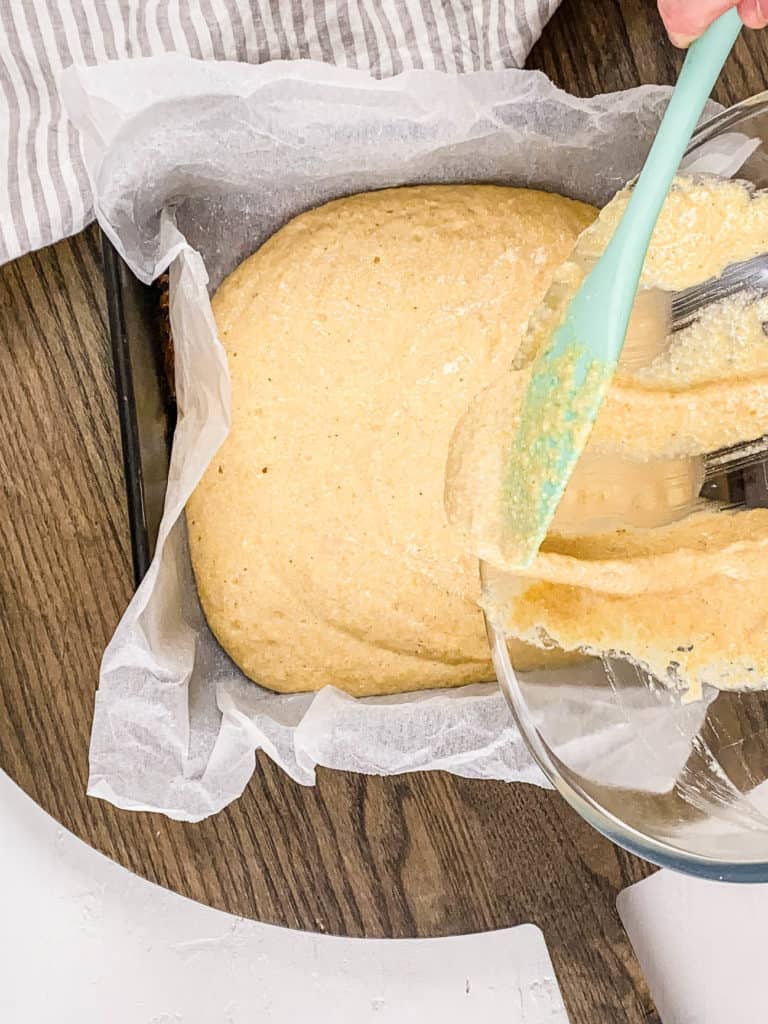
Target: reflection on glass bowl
680,782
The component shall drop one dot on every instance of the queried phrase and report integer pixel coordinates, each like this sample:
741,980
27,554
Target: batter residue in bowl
635,563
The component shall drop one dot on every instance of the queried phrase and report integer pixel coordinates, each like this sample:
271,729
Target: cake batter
355,339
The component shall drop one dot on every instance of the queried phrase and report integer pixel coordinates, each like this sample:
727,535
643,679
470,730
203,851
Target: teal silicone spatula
571,375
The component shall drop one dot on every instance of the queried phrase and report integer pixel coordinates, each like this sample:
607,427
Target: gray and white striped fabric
44,193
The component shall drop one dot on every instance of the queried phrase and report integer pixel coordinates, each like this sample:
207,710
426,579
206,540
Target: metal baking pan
142,353
143,360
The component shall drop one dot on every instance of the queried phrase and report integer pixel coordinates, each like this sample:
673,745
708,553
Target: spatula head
569,380
571,376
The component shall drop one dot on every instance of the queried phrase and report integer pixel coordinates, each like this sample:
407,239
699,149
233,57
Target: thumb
686,20
754,13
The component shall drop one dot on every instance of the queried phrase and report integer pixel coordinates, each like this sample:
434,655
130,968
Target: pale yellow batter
355,339
635,563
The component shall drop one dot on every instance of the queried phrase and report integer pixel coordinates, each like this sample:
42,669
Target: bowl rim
732,115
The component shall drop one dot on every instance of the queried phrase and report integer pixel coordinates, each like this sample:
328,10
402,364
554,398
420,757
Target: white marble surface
702,946
82,941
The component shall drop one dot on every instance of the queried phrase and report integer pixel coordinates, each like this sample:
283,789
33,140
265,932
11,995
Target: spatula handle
700,71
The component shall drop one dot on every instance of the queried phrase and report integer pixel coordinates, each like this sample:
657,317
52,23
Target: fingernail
682,42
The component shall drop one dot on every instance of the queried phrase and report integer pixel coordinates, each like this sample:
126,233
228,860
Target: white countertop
83,941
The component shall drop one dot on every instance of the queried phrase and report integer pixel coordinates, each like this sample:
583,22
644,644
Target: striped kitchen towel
44,192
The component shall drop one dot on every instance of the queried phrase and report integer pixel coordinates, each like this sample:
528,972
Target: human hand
686,20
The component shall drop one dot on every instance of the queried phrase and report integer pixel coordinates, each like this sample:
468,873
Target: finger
686,20
754,13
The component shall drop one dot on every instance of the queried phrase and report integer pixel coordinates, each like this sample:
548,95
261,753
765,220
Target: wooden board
417,855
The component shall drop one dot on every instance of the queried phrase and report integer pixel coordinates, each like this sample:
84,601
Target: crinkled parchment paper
193,166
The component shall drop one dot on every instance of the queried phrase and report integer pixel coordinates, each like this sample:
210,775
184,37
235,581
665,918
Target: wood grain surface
424,854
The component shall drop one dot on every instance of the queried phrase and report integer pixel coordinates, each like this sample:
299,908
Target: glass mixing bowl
682,783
